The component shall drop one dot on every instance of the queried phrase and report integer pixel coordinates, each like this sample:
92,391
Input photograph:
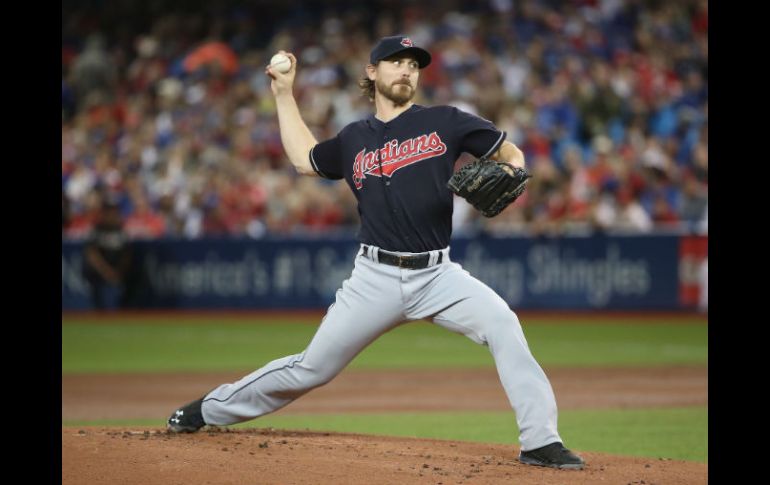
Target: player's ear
371,72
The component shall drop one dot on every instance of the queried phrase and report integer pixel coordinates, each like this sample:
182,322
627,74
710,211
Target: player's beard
397,92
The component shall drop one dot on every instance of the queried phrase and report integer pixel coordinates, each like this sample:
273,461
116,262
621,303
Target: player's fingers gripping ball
280,63
488,185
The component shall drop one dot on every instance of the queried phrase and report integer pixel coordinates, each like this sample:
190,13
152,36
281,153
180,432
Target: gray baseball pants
376,298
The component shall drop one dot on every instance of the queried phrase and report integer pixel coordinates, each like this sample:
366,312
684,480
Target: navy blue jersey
398,171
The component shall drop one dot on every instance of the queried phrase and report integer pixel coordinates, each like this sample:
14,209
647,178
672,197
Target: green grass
154,346
676,433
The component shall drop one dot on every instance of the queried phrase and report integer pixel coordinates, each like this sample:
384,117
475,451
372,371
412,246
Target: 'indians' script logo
395,155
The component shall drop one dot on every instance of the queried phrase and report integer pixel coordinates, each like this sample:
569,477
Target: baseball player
397,163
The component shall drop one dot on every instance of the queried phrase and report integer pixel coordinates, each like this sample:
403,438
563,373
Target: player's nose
404,70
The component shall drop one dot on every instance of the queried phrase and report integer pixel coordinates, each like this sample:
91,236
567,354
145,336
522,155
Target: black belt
417,261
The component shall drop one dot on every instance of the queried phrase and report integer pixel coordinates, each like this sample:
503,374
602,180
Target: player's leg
367,305
459,302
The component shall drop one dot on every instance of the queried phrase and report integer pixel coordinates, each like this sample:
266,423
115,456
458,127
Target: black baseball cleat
187,419
554,455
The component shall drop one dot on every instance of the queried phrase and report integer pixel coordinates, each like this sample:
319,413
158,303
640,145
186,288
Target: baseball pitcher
399,163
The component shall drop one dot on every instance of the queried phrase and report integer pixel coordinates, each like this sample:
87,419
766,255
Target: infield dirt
148,455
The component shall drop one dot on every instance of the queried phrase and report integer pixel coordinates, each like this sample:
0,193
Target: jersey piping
315,165
496,145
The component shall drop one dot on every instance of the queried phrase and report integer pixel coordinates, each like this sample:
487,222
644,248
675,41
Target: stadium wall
569,273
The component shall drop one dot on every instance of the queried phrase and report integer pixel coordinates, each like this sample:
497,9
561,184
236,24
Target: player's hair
367,87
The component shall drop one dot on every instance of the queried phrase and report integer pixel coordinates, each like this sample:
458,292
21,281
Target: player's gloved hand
488,185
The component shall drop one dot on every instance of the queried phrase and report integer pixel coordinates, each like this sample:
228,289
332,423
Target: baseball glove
488,185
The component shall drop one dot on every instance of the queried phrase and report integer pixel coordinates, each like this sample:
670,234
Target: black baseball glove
488,185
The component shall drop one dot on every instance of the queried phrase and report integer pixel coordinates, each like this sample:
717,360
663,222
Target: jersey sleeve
326,158
477,136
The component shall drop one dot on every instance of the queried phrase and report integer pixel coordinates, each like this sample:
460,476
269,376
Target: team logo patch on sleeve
395,156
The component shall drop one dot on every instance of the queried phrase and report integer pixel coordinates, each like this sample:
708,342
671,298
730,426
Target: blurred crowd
167,110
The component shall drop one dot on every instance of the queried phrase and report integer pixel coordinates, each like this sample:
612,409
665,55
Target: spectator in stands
65,211
663,214
144,222
630,215
693,202
93,72
144,108
81,222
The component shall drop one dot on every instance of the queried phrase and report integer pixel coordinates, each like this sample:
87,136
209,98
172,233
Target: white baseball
280,63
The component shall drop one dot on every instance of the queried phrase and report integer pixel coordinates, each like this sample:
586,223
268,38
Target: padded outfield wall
569,273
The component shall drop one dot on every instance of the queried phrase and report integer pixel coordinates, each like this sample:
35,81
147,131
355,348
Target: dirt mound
94,455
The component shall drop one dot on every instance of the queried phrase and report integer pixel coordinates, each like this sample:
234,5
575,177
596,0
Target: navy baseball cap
387,46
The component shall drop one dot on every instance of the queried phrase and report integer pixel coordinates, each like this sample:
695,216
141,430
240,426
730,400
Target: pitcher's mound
99,455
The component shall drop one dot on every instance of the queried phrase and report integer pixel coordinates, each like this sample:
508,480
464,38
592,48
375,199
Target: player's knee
325,379
501,324
500,317
317,377
514,319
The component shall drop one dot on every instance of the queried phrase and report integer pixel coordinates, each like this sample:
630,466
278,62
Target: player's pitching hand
282,81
